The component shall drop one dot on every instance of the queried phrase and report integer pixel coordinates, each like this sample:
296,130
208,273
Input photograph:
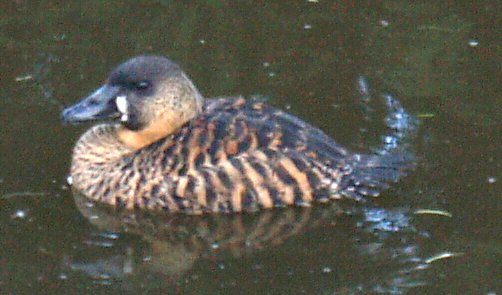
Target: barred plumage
221,155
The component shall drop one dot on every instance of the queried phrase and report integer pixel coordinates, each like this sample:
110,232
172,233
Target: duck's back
243,155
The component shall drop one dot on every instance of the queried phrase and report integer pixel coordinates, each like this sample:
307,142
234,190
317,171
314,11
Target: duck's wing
265,179
244,156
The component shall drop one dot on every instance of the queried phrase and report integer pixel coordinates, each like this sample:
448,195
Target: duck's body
218,155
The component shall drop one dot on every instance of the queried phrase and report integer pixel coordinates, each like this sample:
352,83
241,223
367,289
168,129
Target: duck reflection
363,243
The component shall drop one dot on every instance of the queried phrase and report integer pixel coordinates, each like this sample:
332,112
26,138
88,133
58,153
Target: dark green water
442,60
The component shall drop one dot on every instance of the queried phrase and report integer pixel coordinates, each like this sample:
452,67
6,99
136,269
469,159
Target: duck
162,146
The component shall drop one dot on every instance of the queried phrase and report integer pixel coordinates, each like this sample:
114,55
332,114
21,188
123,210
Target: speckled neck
97,152
100,144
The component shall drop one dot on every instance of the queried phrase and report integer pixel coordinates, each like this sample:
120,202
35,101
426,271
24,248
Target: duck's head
149,95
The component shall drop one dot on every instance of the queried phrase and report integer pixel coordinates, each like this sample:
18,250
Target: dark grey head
139,92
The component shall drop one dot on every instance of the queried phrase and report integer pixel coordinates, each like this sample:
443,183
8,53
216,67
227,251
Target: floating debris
307,27
102,244
473,43
432,212
108,235
364,89
426,115
60,37
327,269
313,1
384,23
19,214
443,255
492,179
24,78
23,194
69,180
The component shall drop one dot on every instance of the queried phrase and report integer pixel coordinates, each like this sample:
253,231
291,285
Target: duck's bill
99,105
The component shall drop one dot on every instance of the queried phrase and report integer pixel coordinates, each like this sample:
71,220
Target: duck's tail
370,174
392,160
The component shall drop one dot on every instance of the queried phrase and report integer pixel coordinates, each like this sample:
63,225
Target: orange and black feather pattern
240,155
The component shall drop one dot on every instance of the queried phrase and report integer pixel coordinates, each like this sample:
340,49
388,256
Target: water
441,61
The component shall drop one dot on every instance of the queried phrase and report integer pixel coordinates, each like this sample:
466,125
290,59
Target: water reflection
174,247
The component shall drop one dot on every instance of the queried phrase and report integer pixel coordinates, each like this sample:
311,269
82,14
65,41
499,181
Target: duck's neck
97,152
138,139
100,144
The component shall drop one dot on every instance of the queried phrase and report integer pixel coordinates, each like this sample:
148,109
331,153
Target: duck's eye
142,85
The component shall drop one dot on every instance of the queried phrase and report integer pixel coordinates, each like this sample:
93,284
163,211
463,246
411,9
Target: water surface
441,60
